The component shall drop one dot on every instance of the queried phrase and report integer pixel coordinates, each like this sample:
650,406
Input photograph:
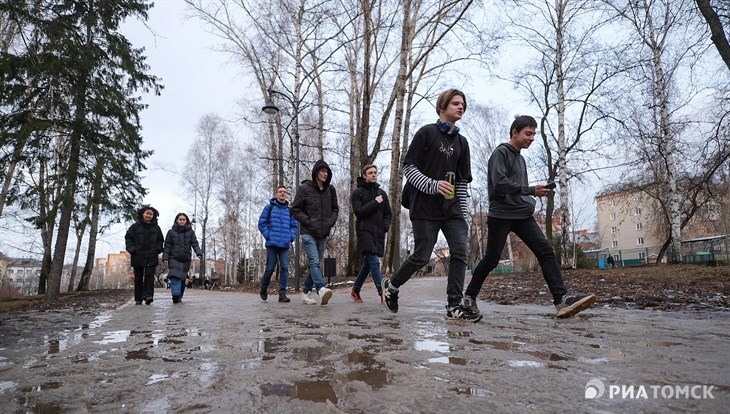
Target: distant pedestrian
144,243
180,240
437,168
511,209
279,229
611,263
372,211
315,208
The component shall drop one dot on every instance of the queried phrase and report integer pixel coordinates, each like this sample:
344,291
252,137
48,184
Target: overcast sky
199,80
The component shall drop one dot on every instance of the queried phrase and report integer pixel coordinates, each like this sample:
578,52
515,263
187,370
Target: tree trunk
77,251
717,32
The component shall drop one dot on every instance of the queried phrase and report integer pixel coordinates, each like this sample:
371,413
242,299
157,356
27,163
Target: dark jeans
371,266
144,282
272,255
532,235
425,234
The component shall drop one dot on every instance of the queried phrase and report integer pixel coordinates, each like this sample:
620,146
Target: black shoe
175,298
264,294
283,298
390,297
461,313
137,302
148,300
571,304
470,304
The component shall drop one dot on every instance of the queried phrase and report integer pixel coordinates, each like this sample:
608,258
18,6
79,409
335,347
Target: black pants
425,234
144,282
532,235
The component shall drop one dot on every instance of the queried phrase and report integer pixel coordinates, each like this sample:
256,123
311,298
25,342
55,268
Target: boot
283,298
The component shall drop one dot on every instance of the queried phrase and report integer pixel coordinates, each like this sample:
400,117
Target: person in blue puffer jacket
279,229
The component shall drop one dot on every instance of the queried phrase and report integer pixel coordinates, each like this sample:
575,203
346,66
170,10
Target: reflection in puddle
155,378
448,360
138,354
208,374
475,391
593,361
372,372
429,345
7,385
114,337
316,391
517,363
160,405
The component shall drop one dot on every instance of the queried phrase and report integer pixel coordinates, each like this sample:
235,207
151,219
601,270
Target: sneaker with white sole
470,304
571,304
307,299
459,312
324,295
390,296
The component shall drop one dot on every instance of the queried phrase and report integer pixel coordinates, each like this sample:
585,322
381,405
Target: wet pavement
231,352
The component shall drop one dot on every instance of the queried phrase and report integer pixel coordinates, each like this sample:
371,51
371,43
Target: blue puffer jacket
279,228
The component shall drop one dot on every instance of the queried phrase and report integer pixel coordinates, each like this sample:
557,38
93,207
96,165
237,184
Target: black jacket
144,240
316,210
373,218
178,242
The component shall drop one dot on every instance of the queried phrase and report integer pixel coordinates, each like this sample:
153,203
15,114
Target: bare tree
715,23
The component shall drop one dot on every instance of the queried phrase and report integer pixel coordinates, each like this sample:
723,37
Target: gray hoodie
509,195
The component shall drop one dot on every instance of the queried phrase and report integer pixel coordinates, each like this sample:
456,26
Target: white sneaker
324,295
307,299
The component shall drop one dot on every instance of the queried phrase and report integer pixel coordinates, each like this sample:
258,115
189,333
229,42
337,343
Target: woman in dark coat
180,239
144,242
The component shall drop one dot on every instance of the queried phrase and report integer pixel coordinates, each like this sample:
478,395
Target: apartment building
628,226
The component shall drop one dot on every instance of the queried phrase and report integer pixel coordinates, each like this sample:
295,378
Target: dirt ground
666,288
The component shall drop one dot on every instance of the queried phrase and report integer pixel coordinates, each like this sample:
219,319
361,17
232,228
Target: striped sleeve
419,180
462,194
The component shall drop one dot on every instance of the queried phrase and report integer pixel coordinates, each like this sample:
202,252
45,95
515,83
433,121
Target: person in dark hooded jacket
315,208
178,242
372,210
144,243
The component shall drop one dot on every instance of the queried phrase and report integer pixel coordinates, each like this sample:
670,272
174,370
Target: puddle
39,408
593,361
155,378
138,354
475,391
371,373
208,373
550,356
160,405
520,364
45,386
316,391
429,345
7,385
448,360
114,337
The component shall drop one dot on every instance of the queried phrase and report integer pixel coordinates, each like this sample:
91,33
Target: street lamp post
271,109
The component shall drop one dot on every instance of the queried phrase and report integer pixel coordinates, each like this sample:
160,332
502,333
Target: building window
642,256
611,202
637,196
612,216
638,226
11,271
614,230
614,243
640,241
637,212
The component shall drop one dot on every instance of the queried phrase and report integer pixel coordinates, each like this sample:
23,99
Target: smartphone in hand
551,185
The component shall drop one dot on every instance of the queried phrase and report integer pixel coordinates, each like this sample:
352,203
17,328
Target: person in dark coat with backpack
372,210
179,241
315,207
279,229
144,243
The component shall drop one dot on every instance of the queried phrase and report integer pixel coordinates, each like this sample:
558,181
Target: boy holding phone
511,209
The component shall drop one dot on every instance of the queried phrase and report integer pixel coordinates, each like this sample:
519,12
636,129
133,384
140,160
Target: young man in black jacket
511,209
371,207
437,168
315,208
